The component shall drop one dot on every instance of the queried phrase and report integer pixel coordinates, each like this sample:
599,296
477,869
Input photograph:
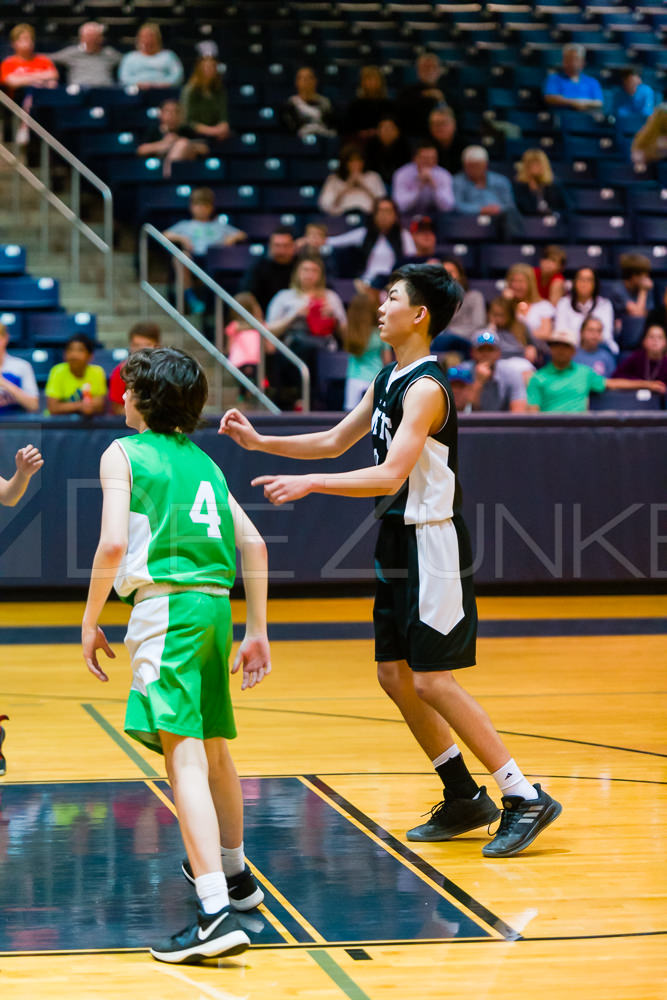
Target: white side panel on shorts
430,486
440,591
133,571
145,639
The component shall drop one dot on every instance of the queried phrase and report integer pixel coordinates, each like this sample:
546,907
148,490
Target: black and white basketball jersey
431,492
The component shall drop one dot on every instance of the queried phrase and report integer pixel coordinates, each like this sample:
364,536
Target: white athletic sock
233,860
511,781
212,891
452,751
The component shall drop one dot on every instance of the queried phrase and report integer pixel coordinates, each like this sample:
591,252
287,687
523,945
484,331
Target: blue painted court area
96,865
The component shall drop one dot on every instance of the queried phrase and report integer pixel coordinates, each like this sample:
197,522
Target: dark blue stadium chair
630,335
109,144
627,399
110,97
260,225
25,292
579,147
210,170
301,171
251,171
457,228
606,201
578,172
109,357
246,144
345,288
533,122
466,254
253,118
552,145
501,99
648,201
53,329
544,228
176,196
61,98
341,223
132,170
289,198
78,119
601,229
14,324
489,287
292,145
611,172
651,229
42,360
232,259
497,258
331,375
12,259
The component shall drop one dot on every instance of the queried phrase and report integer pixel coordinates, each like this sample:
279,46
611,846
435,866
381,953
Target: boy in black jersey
424,615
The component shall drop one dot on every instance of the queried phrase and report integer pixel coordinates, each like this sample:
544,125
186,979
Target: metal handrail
71,214
221,296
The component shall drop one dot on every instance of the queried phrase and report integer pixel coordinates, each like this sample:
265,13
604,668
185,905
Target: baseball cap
459,374
563,337
421,224
486,338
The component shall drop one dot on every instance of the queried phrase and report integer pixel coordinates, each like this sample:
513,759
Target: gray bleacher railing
72,212
149,231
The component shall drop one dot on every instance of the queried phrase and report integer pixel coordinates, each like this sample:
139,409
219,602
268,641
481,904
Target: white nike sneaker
214,935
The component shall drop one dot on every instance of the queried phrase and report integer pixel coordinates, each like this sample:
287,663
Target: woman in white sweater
583,301
351,188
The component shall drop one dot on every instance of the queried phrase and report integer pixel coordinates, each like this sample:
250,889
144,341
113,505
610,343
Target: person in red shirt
24,68
549,274
142,336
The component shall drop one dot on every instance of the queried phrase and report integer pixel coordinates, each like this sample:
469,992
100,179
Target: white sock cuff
233,860
211,889
448,754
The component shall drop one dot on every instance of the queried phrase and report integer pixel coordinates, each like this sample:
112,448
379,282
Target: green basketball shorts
179,646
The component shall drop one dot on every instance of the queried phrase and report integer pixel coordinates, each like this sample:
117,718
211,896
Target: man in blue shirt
633,98
569,87
480,191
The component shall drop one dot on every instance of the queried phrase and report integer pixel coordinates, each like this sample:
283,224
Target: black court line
22,635
480,911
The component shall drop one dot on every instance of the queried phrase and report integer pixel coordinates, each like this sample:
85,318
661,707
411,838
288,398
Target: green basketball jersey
181,530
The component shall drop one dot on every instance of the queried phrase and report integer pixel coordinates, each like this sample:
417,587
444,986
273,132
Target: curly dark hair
169,388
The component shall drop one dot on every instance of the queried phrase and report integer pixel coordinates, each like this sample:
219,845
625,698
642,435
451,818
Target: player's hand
28,461
92,639
283,489
255,658
237,426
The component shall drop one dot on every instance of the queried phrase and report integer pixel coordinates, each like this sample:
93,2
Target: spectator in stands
564,387
143,336
585,300
422,186
270,274
387,150
658,315
150,65
633,99
549,273
195,235
632,296
535,190
592,351
537,313
498,384
170,139
204,100
25,68
649,362
351,187
309,317
442,130
416,101
367,353
75,385
512,335
460,380
382,242
90,63
423,233
244,342
18,387
650,143
569,87
480,191
314,238
370,106
471,316
307,112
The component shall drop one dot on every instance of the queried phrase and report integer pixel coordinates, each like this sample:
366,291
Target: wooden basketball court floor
90,851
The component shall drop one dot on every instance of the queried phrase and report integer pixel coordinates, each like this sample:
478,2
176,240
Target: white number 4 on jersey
205,511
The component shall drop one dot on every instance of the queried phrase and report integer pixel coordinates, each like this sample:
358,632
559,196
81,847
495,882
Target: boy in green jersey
168,540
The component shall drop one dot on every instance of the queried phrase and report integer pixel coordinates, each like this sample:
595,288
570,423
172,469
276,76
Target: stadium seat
601,229
648,200
591,255
331,374
45,329
24,292
628,399
14,324
651,229
232,259
455,228
42,360
108,357
12,259
605,201
497,258
289,198
544,228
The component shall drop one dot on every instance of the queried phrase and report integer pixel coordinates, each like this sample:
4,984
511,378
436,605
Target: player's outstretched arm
253,656
111,548
424,413
321,444
28,462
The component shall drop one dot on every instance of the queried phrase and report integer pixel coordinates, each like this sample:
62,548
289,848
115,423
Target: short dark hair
169,387
145,328
432,286
81,338
282,231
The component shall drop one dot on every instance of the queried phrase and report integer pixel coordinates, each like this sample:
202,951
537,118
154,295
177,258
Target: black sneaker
3,762
244,893
521,822
452,817
213,935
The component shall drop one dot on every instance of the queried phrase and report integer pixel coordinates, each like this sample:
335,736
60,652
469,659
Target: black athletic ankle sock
457,779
